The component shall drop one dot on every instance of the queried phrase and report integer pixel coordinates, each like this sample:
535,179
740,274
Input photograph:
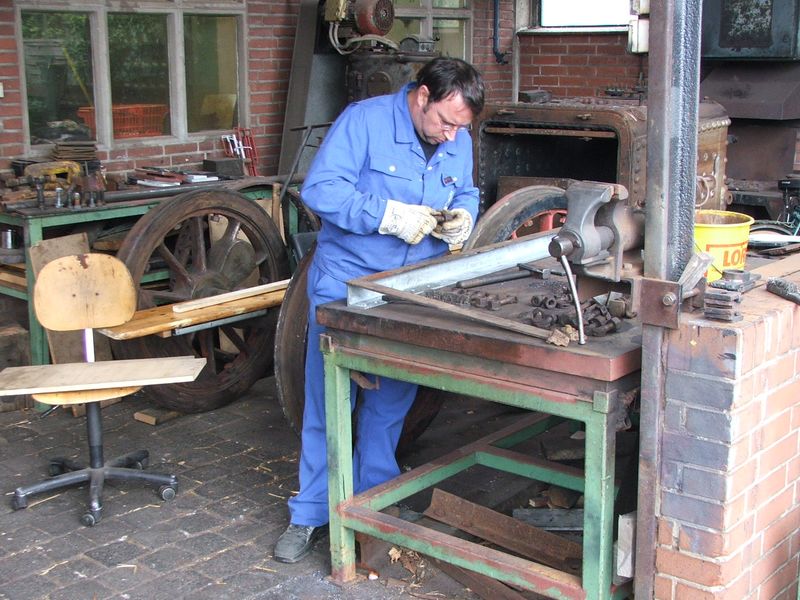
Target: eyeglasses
448,127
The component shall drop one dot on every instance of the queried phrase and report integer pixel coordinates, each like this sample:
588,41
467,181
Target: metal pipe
500,57
672,108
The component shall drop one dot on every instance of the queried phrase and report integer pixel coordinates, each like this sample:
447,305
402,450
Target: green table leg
340,466
599,500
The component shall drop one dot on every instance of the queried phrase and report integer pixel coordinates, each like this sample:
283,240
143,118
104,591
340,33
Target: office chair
87,291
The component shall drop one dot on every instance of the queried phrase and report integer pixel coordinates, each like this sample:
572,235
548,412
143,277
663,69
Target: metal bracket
660,302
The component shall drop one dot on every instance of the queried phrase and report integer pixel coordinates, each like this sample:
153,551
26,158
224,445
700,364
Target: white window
447,22
112,75
581,14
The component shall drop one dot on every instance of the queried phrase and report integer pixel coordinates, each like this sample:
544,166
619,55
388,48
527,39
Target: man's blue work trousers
380,417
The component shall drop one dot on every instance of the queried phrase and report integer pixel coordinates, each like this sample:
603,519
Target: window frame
427,13
529,18
174,10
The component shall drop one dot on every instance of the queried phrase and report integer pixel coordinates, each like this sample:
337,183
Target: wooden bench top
162,320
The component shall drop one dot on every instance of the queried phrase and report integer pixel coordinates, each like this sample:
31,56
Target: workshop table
590,384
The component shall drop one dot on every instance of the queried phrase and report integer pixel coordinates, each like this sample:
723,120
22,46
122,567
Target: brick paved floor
236,467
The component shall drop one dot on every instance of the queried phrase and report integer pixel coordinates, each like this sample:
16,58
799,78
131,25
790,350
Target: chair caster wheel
89,520
167,492
56,468
19,502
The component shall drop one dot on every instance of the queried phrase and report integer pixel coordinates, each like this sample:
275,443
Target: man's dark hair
446,76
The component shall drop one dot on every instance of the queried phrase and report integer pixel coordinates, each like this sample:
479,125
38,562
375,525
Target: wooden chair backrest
84,291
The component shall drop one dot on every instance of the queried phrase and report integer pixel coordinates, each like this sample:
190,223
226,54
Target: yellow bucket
723,235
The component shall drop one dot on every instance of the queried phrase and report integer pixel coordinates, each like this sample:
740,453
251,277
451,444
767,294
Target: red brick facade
565,65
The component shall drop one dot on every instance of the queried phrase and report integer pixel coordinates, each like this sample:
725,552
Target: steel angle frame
441,272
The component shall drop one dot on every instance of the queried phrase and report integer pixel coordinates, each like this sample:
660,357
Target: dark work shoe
296,542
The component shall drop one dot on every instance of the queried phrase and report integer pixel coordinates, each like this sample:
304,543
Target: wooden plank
156,416
189,305
73,377
162,319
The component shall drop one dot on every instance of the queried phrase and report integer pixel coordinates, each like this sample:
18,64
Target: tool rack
446,351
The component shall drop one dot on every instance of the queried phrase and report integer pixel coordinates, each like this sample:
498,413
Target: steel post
674,63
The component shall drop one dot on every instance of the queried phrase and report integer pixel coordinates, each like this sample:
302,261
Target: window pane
584,13
407,4
137,45
404,27
58,74
212,71
450,37
449,3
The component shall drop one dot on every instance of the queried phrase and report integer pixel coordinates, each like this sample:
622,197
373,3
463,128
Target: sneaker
296,542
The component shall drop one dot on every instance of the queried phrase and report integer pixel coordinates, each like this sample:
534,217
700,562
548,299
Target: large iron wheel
290,353
195,245
525,211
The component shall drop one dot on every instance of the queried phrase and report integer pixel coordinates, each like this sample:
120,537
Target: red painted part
544,221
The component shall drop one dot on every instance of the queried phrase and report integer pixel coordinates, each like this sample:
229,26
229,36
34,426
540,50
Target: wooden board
189,305
107,397
74,377
161,320
156,416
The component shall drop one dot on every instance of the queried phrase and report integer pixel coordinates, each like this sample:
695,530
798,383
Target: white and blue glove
409,222
456,228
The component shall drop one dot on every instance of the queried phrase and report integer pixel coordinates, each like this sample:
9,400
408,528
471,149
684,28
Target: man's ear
423,95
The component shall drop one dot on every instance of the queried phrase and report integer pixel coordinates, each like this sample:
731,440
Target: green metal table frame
351,345
34,225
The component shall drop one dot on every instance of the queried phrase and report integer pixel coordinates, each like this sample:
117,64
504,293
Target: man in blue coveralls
387,166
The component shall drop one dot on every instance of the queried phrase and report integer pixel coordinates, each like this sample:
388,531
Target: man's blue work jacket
370,155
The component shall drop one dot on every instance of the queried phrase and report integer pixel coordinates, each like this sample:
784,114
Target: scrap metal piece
531,542
784,289
736,280
722,305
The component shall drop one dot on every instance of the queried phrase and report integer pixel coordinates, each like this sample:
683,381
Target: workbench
586,384
35,224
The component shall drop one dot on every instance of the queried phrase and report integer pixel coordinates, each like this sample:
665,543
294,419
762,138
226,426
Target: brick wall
729,524
579,65
271,28
10,104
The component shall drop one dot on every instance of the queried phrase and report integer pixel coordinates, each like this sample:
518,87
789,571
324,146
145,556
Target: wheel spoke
235,337
205,342
177,268
197,233
156,297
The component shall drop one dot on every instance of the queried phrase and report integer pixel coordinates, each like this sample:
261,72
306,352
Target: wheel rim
523,212
204,243
290,353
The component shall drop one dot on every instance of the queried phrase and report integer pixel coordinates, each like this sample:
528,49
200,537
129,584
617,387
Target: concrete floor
237,466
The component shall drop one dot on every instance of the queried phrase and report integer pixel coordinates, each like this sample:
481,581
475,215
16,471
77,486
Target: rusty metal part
736,280
722,305
507,532
497,303
784,289
498,277
663,305
596,141
485,587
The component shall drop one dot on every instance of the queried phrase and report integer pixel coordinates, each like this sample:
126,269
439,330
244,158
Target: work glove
409,222
455,228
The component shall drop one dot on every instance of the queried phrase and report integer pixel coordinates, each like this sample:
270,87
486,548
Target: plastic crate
130,120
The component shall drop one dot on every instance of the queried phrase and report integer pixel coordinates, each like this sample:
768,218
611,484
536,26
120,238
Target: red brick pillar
729,520
11,133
